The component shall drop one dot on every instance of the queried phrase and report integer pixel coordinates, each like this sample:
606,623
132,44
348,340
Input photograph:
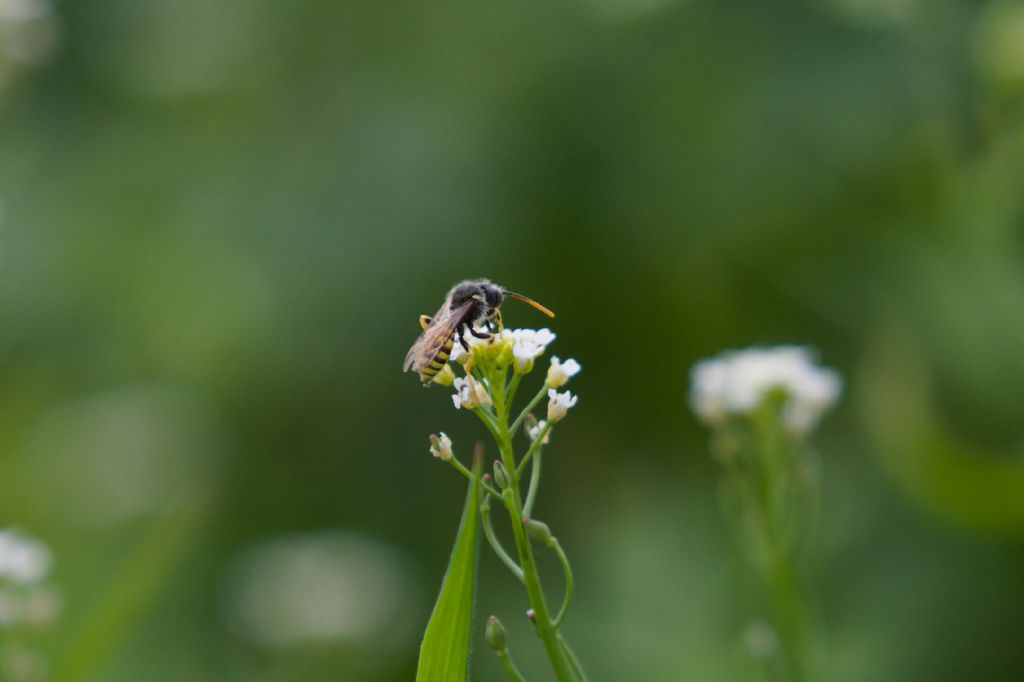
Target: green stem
531,492
488,421
783,582
531,579
791,618
513,672
567,569
492,539
460,467
577,669
546,629
513,386
526,410
534,454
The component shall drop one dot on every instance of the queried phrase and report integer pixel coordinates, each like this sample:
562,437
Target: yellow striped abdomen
437,363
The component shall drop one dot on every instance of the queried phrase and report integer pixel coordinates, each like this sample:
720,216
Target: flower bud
441,447
445,377
500,474
497,636
538,531
503,345
534,428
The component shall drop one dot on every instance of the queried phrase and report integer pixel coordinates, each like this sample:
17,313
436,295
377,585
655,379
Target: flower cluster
492,358
518,346
737,382
518,349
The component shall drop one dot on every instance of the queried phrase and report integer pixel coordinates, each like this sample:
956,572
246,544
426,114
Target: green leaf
444,654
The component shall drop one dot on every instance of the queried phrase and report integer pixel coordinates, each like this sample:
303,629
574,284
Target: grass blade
445,652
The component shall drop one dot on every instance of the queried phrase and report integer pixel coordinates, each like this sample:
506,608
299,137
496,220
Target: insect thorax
465,291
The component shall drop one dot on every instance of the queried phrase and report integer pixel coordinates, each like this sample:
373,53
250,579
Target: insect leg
461,338
497,316
479,334
425,320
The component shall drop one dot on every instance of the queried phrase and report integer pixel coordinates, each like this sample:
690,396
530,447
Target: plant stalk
545,627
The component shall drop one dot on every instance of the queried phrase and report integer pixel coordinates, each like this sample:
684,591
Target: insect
468,303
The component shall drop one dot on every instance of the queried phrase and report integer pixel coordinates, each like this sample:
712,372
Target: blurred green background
221,219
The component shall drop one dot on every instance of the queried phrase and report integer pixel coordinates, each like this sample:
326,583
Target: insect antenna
532,302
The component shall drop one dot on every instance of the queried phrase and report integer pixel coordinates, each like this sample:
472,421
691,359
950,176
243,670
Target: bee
468,304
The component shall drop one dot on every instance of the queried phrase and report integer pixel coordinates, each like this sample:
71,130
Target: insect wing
433,338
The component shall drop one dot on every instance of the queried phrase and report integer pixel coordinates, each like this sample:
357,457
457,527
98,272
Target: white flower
559,404
470,394
525,344
559,372
441,447
534,431
316,589
523,354
23,560
23,10
27,31
735,383
528,344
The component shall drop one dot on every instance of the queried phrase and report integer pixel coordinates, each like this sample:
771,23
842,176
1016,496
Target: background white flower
28,33
23,560
735,383
24,566
319,588
560,372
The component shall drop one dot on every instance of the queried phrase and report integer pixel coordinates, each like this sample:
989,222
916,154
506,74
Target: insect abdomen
438,362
